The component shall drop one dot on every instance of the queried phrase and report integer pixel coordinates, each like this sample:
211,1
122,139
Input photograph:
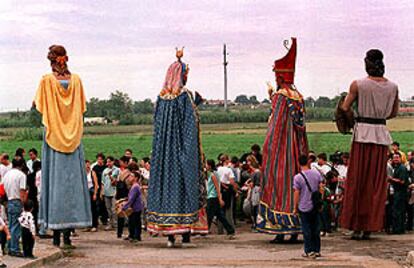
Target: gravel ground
103,249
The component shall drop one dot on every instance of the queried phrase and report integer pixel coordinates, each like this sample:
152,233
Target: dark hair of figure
303,160
212,164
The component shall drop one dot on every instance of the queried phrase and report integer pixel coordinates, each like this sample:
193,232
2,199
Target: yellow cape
62,112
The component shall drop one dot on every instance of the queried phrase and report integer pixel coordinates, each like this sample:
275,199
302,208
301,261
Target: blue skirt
64,201
176,178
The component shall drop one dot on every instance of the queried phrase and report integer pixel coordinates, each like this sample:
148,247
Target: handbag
118,208
316,196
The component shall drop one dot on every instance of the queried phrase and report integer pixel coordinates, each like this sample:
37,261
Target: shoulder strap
306,181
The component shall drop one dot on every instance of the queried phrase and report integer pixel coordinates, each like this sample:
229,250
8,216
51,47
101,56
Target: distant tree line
121,108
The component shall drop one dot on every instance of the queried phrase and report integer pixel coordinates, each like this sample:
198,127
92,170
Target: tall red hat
285,67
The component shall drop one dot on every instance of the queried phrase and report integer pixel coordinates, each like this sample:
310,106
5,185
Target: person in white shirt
15,186
229,188
33,157
322,165
145,167
109,178
5,165
342,167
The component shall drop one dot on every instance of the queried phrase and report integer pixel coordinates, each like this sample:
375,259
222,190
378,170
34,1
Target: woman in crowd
255,177
93,192
122,190
60,99
215,202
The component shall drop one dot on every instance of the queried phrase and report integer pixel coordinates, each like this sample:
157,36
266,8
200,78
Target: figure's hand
221,202
295,211
270,89
94,197
8,237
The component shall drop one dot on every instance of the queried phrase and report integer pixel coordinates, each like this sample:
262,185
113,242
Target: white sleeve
231,174
23,182
32,225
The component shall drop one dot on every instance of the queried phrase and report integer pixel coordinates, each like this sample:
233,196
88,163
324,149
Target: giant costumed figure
366,185
64,202
176,193
285,141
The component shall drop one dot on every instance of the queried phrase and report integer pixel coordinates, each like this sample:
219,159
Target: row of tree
120,104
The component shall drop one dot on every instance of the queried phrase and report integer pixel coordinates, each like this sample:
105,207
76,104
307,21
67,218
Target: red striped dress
285,141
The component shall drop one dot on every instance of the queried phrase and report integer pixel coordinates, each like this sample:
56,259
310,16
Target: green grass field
214,143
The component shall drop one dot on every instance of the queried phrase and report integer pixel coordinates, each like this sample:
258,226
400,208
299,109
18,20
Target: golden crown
179,53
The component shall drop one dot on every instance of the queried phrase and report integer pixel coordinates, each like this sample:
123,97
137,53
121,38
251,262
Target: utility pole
225,76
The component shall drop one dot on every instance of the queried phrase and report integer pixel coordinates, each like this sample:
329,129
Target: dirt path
102,249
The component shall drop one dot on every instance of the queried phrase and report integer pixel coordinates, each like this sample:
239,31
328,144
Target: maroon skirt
365,188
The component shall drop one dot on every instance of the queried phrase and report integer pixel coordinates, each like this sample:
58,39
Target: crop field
233,139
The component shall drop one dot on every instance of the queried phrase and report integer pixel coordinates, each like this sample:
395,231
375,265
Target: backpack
316,196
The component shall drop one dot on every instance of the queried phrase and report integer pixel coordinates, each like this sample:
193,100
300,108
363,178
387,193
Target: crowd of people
118,190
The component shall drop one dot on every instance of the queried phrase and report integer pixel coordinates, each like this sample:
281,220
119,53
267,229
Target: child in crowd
135,205
337,203
121,192
326,209
28,229
5,235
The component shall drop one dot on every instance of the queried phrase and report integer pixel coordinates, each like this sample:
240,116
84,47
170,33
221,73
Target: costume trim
172,214
277,222
285,70
60,226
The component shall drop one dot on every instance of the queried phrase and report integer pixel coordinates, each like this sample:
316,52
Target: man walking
400,182
109,178
15,187
229,189
5,165
304,183
33,158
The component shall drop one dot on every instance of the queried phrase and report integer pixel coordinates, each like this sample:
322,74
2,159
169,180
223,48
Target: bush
34,134
7,122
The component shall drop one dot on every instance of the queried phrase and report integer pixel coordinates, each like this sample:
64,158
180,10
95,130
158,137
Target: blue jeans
14,209
311,229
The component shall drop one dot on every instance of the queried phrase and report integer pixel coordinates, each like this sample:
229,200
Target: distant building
94,121
403,110
218,102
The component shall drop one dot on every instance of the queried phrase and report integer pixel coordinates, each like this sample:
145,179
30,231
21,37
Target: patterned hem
155,229
278,232
61,226
277,222
172,219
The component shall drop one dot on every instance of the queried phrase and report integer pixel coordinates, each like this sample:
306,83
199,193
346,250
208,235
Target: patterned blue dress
176,178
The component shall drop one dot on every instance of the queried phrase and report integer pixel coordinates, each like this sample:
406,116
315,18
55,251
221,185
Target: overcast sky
127,45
